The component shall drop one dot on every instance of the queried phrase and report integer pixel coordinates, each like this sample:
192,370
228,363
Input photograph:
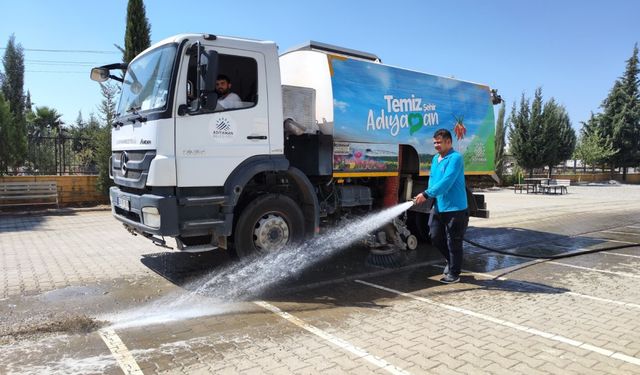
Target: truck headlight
151,217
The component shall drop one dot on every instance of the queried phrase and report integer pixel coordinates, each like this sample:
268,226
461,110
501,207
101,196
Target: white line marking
624,274
618,232
519,327
623,255
553,289
610,240
361,353
626,358
124,357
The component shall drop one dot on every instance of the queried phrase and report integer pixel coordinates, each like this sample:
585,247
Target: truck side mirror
209,75
495,98
103,73
99,74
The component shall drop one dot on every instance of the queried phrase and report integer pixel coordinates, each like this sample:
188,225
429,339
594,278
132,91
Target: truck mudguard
273,163
310,205
244,172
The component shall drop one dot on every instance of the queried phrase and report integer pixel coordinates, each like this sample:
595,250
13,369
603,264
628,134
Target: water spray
248,278
388,248
387,245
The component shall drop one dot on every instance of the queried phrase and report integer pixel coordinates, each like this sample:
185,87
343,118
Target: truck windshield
146,83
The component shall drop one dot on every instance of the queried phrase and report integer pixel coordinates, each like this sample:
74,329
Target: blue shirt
446,182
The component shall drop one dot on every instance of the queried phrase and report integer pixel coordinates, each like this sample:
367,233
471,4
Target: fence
72,190
58,155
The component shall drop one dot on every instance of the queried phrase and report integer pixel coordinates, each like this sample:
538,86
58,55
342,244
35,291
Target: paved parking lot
78,294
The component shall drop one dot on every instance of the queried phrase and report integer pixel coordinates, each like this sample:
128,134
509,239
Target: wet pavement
79,294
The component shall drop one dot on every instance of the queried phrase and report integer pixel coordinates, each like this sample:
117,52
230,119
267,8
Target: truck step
198,224
198,248
203,201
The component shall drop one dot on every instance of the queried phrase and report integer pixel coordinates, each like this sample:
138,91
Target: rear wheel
268,224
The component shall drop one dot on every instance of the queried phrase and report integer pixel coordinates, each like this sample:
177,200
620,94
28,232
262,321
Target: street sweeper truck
218,142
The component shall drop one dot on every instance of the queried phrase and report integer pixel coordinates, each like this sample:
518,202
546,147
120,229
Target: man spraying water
449,216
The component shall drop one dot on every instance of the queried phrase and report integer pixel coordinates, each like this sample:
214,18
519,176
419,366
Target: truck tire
268,224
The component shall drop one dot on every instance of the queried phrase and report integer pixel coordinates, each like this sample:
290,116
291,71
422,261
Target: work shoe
450,279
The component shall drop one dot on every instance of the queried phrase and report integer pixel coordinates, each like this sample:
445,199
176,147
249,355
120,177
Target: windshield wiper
135,116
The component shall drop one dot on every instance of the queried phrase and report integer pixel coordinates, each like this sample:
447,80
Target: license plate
123,202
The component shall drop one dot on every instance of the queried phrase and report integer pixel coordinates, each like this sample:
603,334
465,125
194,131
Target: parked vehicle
323,133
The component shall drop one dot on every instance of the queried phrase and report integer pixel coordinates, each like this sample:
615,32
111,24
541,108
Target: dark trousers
446,230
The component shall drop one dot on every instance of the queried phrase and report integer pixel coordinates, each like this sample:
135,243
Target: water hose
552,257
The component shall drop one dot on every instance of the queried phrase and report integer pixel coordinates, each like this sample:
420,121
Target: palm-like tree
44,127
44,122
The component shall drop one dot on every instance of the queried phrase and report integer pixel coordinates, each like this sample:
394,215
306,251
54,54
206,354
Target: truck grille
131,168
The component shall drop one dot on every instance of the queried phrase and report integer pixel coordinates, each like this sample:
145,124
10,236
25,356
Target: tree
620,120
499,142
525,138
12,88
6,125
44,122
540,135
560,137
44,126
592,125
28,104
567,136
13,83
138,31
107,111
626,125
79,121
107,106
86,136
611,106
593,148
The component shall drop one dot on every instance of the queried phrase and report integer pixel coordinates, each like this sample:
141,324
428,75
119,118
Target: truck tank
370,109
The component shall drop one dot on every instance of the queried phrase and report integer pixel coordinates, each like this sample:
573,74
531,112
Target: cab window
236,83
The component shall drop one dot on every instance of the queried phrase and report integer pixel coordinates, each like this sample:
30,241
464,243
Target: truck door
210,144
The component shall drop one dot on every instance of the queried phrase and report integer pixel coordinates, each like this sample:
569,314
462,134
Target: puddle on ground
42,355
47,324
70,292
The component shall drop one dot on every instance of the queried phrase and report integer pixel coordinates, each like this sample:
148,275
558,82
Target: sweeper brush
387,256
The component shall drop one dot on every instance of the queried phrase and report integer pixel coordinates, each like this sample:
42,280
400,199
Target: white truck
321,133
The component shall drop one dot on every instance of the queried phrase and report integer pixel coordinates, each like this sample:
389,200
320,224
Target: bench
28,193
520,188
556,186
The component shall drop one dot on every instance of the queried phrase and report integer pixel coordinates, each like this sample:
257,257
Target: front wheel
268,224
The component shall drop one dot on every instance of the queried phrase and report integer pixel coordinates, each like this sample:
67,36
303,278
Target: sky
574,50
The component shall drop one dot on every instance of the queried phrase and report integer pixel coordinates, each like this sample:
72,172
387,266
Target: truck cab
174,149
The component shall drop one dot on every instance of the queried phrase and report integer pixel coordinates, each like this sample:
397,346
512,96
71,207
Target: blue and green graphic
379,104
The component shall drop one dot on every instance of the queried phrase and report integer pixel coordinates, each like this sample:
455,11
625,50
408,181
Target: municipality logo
223,125
222,128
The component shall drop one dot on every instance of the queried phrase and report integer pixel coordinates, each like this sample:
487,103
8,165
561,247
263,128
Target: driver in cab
226,98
